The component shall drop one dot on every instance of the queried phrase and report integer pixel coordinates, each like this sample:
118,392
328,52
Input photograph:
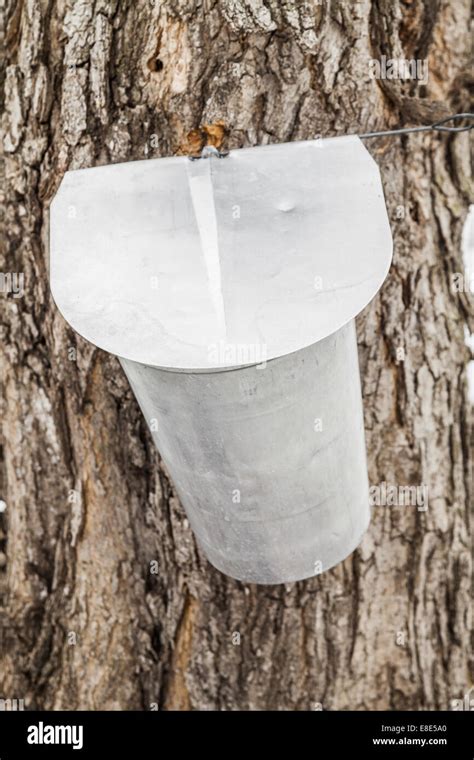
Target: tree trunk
107,602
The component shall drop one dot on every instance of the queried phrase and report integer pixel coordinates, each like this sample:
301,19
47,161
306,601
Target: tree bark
106,601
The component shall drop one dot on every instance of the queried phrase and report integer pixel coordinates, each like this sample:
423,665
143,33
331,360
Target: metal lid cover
220,262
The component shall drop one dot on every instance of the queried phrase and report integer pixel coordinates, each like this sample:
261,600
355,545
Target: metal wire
438,126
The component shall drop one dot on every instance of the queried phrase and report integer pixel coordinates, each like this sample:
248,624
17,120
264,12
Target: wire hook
437,126
209,150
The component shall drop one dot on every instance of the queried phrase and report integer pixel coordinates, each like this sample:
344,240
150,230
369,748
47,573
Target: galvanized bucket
228,288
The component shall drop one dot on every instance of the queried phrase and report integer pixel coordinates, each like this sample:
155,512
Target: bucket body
269,460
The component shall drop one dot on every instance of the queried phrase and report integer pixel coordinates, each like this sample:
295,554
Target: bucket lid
220,262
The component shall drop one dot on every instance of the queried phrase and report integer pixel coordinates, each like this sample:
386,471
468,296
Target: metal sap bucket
243,358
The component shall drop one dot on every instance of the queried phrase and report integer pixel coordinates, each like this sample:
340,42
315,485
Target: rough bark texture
86,622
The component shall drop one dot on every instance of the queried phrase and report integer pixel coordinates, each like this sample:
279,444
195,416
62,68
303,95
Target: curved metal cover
220,262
